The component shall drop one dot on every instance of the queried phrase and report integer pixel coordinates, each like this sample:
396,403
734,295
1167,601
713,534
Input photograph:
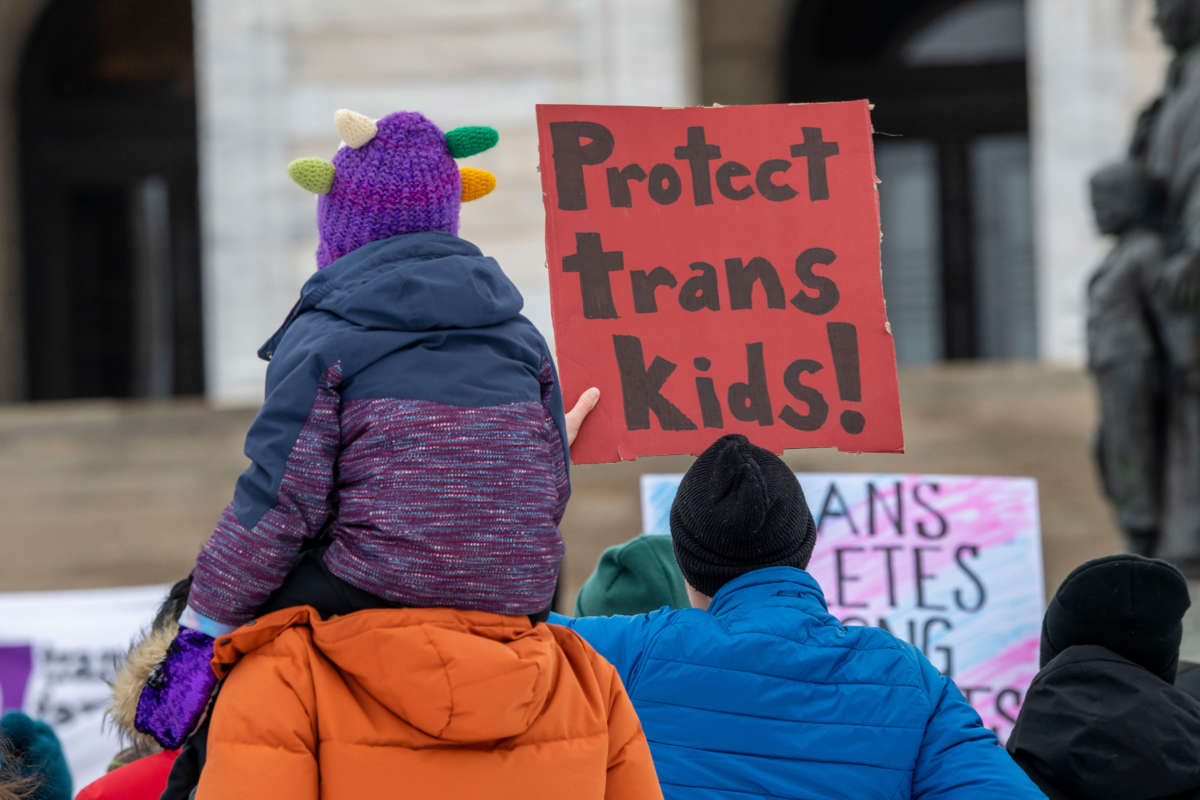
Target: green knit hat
633,578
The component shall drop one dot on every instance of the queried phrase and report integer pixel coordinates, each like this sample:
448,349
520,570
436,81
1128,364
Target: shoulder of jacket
586,665
574,645
666,618
522,329
878,643
563,634
292,644
96,790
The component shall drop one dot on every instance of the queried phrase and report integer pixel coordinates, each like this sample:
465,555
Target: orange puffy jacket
420,703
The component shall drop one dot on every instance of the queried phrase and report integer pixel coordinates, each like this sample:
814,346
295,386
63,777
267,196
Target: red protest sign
716,270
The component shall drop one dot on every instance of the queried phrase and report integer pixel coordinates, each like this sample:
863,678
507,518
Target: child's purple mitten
177,693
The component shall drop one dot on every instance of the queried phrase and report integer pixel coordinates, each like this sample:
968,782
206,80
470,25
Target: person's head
1178,21
1128,604
1123,194
738,509
14,784
632,578
394,175
32,764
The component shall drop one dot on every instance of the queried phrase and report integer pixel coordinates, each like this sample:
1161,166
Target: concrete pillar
242,115
1092,65
741,50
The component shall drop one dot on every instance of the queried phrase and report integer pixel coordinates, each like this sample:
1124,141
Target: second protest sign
716,270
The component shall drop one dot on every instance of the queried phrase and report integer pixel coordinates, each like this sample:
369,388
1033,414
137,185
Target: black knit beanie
1127,603
738,509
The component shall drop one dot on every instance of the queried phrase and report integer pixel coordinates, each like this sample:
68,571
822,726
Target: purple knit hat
395,175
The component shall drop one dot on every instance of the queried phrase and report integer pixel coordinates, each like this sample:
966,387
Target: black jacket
1096,725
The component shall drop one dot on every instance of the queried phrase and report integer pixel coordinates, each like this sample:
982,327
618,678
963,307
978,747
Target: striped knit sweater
415,416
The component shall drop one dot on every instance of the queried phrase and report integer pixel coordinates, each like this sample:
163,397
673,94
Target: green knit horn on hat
313,174
471,139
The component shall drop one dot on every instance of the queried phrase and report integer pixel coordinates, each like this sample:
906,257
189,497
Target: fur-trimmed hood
131,677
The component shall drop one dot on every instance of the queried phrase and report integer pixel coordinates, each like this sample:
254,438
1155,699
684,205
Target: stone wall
272,73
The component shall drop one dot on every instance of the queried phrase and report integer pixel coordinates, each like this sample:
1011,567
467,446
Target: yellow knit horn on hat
476,183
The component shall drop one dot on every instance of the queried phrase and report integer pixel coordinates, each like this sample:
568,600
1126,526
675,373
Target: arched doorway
107,143
948,79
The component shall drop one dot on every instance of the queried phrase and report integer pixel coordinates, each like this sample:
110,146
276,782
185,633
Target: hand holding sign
670,235
578,413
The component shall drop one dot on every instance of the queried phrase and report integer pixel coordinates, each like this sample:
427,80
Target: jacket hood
412,282
1095,724
458,676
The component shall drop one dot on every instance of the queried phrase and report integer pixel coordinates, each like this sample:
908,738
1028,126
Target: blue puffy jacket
767,695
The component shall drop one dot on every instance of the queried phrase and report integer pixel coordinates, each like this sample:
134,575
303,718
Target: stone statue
1168,142
1124,353
1166,145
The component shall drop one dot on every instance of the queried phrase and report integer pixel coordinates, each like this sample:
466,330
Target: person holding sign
757,691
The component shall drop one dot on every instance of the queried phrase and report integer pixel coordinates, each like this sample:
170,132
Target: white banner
58,650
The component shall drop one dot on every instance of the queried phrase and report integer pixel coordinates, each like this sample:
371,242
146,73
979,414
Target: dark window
948,80
107,125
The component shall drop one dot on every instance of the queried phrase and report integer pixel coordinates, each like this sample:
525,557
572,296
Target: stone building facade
268,75
274,71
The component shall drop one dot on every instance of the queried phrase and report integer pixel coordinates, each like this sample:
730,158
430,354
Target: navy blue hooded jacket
414,416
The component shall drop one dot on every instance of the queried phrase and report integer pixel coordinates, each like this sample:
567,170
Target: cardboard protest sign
58,651
716,270
951,564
